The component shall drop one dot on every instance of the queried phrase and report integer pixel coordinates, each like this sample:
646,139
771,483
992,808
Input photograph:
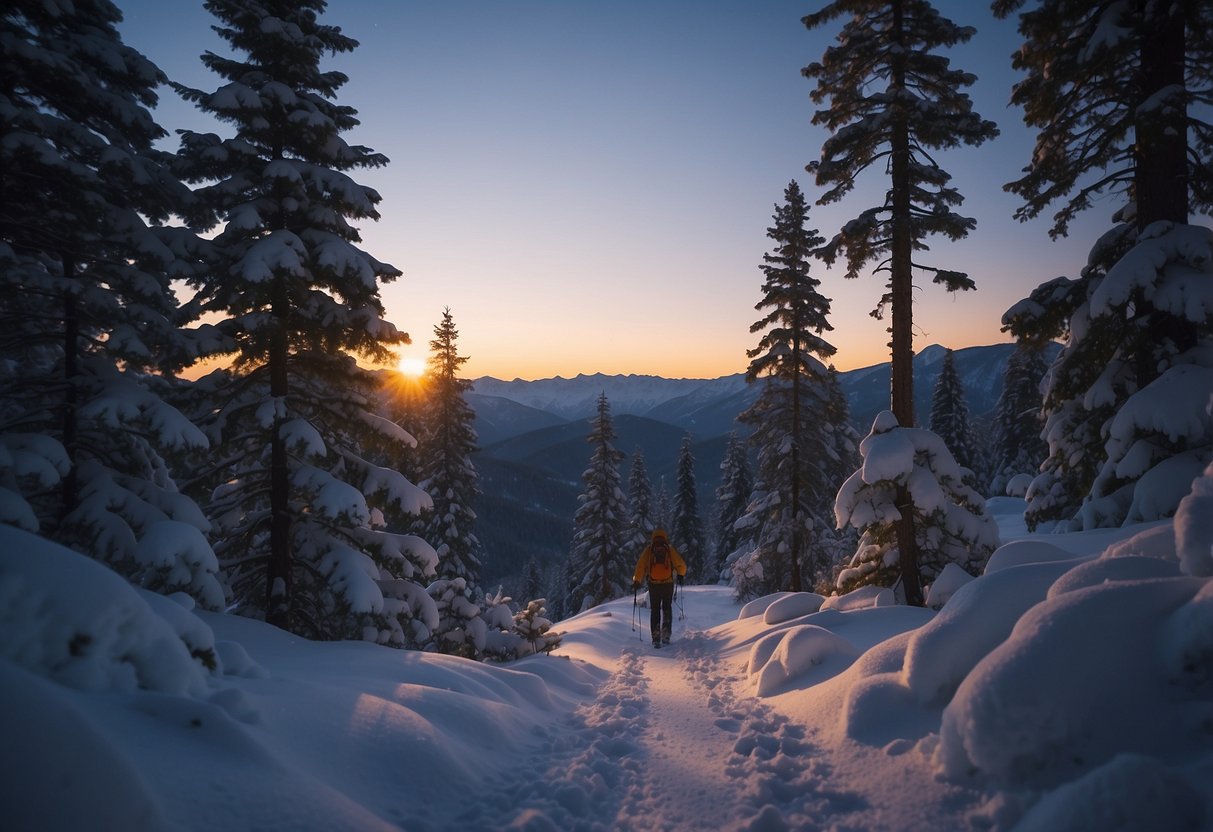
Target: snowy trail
670,737
685,750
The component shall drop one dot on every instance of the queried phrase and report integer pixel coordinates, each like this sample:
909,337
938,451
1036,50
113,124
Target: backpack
660,568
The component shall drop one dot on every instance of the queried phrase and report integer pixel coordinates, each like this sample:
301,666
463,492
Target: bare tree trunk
1160,180
1160,153
901,288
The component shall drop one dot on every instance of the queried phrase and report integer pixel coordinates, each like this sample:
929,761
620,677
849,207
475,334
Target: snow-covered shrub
951,525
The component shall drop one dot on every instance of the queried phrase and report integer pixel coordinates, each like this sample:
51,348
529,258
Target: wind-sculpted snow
1036,710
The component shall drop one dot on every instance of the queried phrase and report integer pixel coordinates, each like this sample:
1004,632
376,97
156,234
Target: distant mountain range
708,407
534,450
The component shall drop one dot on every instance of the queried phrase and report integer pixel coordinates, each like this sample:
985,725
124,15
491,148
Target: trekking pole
635,612
682,615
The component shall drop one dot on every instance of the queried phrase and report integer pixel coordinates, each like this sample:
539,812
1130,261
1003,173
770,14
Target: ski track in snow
667,741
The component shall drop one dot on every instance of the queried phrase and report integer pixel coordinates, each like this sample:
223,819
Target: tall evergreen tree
87,312
687,530
950,414
892,101
1119,92
534,584
1018,418
447,443
732,497
299,508
793,438
598,568
641,521
661,506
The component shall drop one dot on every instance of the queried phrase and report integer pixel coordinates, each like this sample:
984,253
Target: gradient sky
588,186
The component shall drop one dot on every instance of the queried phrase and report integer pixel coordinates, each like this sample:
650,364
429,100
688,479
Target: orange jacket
659,573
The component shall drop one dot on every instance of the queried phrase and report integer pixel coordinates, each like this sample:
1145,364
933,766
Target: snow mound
63,756
1037,711
759,605
1128,792
71,619
780,657
1021,552
1127,568
1155,542
980,616
861,598
1017,486
794,605
951,579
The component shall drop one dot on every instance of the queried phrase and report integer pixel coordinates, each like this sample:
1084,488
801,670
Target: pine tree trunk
1160,181
901,286
278,573
70,487
1160,153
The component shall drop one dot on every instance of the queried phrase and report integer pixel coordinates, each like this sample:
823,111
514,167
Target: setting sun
411,365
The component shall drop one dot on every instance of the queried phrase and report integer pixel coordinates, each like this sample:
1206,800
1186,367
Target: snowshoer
659,564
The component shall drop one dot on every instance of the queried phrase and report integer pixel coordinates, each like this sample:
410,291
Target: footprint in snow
785,782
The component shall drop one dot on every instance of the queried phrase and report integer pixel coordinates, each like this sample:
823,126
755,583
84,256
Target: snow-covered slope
1069,688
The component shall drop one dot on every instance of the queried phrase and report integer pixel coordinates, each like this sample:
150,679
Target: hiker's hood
659,534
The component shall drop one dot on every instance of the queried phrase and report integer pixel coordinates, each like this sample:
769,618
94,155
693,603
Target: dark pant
661,603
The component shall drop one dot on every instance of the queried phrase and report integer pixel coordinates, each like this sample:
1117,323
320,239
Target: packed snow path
669,739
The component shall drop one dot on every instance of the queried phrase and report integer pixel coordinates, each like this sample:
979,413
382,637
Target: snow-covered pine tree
87,312
845,461
533,581
1120,94
598,566
950,415
952,525
794,438
1018,419
893,100
661,506
535,629
447,441
640,506
460,630
732,497
300,511
686,529
845,458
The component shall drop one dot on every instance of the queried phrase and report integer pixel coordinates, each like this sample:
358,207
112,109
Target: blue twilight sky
588,186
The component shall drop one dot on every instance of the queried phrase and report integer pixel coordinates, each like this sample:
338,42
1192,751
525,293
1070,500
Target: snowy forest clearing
1094,714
